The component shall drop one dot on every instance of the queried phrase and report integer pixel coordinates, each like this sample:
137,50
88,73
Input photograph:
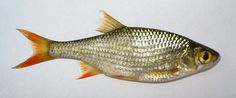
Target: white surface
211,22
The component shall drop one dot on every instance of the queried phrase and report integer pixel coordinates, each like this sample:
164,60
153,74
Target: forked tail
40,47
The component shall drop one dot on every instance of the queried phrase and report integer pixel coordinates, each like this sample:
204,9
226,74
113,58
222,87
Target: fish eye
205,56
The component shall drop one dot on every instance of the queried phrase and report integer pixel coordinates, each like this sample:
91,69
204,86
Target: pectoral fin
87,70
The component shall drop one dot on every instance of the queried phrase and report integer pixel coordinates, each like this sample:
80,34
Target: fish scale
128,53
127,49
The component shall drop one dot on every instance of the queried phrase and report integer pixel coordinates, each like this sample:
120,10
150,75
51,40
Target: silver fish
128,53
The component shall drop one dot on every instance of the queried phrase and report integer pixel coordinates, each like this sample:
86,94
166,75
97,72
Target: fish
128,53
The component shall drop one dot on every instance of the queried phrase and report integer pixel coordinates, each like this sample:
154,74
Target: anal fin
87,70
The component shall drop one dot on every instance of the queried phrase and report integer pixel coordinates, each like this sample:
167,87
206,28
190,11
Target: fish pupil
205,56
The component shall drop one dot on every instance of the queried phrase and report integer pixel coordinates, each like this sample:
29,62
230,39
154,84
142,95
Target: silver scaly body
142,54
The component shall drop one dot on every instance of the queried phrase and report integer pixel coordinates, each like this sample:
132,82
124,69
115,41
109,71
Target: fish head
205,57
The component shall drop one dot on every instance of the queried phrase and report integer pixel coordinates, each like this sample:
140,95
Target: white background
210,22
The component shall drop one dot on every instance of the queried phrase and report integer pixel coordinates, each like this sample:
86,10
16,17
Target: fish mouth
217,57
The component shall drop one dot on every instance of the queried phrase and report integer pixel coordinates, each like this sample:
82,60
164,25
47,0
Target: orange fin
87,70
41,49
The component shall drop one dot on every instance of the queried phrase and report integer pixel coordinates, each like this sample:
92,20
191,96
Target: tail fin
41,49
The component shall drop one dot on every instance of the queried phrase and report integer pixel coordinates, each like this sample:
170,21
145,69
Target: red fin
87,70
86,75
41,49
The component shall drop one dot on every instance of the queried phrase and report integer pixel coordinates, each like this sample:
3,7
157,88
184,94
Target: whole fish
128,53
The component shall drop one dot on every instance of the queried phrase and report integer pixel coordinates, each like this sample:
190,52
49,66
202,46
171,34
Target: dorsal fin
87,70
108,23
